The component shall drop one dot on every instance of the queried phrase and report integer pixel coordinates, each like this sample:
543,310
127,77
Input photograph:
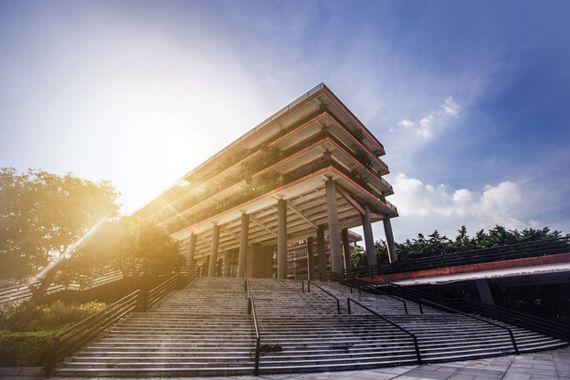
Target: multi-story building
310,170
298,265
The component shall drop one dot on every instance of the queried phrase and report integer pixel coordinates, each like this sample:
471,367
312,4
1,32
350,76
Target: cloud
406,123
450,107
424,207
434,121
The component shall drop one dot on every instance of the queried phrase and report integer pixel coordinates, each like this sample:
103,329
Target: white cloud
429,125
425,207
450,107
406,123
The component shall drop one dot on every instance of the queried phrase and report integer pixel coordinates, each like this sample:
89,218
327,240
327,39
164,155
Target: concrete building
309,171
299,265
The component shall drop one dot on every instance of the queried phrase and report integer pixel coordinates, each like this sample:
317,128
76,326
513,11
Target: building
298,256
310,170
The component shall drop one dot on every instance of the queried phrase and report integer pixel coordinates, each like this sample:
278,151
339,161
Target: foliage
29,316
437,244
135,247
23,349
358,257
43,214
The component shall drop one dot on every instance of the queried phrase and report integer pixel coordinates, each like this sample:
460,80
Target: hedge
24,349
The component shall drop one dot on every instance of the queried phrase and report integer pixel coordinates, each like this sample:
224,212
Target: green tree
137,248
42,215
358,258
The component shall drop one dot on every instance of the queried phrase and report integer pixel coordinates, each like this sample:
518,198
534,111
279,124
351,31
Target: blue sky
469,99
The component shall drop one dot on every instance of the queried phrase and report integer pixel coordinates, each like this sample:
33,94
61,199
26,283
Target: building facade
298,257
309,172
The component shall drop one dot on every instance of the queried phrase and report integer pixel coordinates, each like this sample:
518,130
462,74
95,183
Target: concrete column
322,256
243,240
346,249
310,259
485,293
392,256
214,252
192,249
369,237
281,239
227,258
334,227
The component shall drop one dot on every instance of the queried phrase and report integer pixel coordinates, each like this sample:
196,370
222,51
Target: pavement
546,365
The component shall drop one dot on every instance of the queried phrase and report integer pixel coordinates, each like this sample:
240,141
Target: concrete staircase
204,329
382,304
312,337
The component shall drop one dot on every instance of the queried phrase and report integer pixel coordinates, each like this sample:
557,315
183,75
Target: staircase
310,336
205,329
382,304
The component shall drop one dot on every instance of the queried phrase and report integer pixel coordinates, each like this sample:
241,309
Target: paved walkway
546,365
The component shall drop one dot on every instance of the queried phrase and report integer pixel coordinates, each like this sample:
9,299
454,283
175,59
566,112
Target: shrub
23,348
26,316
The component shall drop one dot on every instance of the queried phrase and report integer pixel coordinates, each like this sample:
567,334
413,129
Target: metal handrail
73,337
543,325
453,310
160,291
327,292
417,296
535,248
531,322
76,335
370,289
415,339
251,310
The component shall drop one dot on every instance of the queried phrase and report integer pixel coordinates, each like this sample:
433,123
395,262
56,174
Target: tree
137,248
358,257
436,244
42,215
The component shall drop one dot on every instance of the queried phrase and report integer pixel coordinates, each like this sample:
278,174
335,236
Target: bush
26,316
24,349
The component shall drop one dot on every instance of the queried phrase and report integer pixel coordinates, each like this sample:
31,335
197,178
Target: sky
470,99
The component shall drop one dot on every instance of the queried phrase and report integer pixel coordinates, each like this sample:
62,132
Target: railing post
50,360
338,306
257,350
249,305
180,281
348,305
514,342
309,286
417,347
142,299
421,309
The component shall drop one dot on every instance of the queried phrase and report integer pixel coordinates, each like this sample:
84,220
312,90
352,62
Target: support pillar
310,259
281,239
392,256
485,293
243,240
214,251
227,258
192,249
334,227
347,251
322,256
369,237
